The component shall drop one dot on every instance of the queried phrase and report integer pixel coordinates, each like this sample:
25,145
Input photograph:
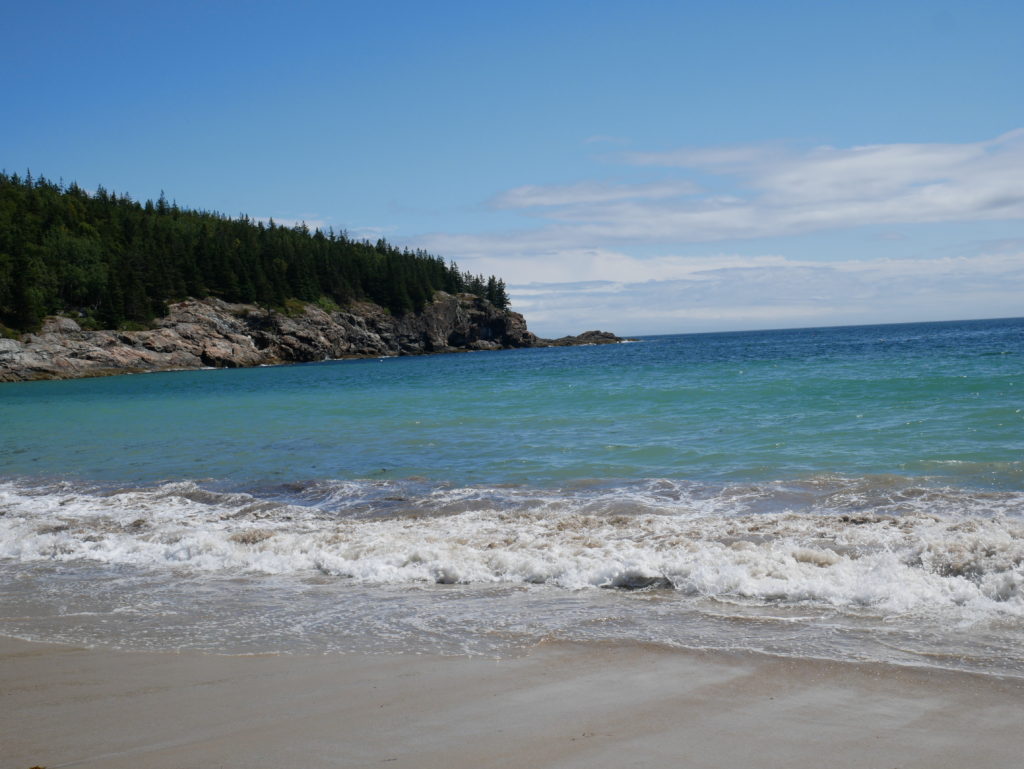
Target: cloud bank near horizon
577,249
780,293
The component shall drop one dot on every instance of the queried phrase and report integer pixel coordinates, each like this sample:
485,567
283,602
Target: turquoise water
848,493
937,400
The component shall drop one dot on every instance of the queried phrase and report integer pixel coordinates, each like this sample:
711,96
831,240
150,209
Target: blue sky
651,167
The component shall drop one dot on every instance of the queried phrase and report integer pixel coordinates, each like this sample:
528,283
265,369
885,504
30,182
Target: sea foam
852,545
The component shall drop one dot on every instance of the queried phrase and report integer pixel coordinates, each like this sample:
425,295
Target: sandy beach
559,706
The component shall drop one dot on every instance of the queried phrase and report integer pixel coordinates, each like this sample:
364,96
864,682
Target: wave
883,545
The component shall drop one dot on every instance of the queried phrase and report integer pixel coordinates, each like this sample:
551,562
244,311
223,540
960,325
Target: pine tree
110,257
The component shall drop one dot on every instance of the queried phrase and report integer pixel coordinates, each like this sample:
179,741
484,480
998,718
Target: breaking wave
883,545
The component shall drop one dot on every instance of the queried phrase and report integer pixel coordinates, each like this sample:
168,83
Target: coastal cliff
212,333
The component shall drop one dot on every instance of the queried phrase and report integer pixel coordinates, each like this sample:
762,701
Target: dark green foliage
495,292
115,261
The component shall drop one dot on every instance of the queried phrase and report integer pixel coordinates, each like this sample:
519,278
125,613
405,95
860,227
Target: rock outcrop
213,333
587,337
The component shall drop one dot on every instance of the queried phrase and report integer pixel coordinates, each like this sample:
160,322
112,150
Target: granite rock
199,333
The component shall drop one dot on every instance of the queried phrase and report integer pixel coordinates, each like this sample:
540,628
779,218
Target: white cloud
783,192
764,292
573,264
585,226
773,191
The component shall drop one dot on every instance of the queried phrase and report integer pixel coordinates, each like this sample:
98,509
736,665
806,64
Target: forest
113,262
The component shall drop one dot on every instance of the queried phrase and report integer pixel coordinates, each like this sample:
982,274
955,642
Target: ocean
849,493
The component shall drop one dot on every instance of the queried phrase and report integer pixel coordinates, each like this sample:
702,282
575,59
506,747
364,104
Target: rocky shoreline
204,333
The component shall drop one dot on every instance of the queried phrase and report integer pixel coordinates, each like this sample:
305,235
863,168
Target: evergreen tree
114,259
28,289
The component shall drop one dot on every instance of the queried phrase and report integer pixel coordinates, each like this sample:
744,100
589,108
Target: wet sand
560,706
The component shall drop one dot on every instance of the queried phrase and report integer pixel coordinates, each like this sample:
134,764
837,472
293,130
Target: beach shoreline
560,705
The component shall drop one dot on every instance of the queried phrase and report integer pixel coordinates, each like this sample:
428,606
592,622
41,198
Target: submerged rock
209,332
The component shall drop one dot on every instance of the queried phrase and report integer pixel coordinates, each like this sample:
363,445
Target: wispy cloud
575,260
784,192
591,192
720,159
371,233
774,191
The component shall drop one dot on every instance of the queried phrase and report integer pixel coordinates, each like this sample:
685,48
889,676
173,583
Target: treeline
117,262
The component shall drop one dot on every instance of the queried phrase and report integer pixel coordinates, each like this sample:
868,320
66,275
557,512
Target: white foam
700,542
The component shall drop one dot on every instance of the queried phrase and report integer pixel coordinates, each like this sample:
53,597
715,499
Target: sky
642,167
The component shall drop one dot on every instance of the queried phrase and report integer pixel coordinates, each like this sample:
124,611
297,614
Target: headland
212,333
